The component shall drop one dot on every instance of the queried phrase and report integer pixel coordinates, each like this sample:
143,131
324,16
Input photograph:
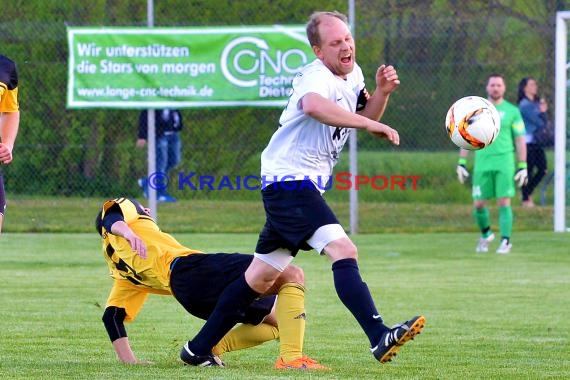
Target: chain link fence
443,50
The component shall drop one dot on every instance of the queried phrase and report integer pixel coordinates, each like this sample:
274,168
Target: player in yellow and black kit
9,119
144,260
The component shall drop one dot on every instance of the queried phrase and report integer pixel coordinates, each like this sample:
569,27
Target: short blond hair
313,25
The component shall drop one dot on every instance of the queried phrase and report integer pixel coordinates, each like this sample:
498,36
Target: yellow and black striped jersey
135,277
8,85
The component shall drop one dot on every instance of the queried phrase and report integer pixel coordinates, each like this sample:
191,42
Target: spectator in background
9,120
168,124
533,110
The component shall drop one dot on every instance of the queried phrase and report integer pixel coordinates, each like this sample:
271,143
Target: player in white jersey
328,100
303,146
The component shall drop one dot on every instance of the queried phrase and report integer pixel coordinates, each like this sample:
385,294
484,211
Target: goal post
560,119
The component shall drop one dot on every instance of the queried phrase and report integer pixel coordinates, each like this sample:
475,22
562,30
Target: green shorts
496,183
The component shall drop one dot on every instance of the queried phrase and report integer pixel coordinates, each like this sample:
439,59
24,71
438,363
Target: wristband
463,161
521,165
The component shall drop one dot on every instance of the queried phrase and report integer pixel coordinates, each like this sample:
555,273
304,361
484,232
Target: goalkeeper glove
461,170
521,176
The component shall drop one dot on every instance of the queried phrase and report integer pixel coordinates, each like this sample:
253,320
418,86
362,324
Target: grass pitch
488,316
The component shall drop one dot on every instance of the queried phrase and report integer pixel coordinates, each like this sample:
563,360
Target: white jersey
303,147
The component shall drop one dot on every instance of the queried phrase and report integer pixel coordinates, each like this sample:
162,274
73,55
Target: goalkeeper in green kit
495,171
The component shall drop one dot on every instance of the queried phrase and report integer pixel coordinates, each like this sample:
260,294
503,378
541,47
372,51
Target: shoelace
393,335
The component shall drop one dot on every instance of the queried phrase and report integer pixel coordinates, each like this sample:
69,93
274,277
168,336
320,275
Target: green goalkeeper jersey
500,152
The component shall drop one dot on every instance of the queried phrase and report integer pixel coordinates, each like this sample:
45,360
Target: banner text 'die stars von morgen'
184,67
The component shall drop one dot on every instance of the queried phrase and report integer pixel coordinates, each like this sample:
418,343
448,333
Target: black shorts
292,216
198,280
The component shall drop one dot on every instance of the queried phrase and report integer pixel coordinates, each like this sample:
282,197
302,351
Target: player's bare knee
352,251
479,204
502,202
261,277
293,273
261,284
349,251
341,249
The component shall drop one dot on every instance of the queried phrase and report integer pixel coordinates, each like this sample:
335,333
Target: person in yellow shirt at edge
9,120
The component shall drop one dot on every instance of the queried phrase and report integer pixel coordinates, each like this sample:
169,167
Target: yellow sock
244,336
290,312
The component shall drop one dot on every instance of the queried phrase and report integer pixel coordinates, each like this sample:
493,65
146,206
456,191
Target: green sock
506,221
481,216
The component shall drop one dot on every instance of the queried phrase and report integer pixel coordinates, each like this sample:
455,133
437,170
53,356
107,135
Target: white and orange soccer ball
472,123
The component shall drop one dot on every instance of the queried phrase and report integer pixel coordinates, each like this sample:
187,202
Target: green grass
488,316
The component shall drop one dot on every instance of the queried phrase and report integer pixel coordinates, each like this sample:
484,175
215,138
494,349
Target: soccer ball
472,123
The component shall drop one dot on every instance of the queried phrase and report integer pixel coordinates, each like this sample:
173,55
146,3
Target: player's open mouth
346,60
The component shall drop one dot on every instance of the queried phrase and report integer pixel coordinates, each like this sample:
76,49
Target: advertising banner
184,67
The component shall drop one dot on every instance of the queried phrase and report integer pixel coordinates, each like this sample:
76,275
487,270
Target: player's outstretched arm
124,352
113,319
327,112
